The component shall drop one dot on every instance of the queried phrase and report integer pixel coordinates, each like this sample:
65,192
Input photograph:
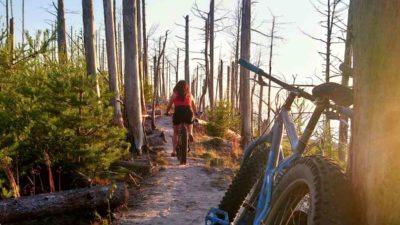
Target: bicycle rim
293,206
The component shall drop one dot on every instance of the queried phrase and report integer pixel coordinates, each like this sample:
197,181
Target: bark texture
26,208
61,33
133,106
375,156
112,60
245,100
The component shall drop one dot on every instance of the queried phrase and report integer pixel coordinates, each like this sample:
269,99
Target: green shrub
47,107
222,118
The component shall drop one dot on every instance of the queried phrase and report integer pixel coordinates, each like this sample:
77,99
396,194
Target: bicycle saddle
338,93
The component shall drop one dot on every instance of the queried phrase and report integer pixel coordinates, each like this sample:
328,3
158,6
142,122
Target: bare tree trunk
260,103
47,161
140,55
346,72
23,24
220,78
71,44
89,39
233,85
375,149
187,70
103,57
163,78
245,101
61,33
10,40
5,166
207,74
155,86
239,22
211,75
121,69
177,66
145,48
228,83
132,77
197,81
111,59
271,54
7,19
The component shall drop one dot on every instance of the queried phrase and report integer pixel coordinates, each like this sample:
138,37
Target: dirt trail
178,195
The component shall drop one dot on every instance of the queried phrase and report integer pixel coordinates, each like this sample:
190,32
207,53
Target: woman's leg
189,127
175,138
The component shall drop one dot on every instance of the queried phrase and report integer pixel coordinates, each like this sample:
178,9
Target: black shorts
182,114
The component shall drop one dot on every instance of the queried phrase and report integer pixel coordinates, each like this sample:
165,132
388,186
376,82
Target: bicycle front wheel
313,191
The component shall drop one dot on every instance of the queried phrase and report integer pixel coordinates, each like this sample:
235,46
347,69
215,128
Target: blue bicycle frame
277,163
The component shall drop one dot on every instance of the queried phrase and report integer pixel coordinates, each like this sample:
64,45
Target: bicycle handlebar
286,86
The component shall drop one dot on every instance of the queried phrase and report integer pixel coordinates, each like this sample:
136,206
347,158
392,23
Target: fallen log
142,166
30,207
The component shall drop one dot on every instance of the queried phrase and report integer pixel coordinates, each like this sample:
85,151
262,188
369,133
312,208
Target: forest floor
177,194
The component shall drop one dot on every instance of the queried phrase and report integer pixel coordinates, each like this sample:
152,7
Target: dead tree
112,61
346,73
61,33
157,61
211,75
220,80
7,20
375,145
330,10
206,66
140,55
245,100
145,43
48,164
155,86
228,82
23,24
6,167
177,66
133,108
233,85
237,46
89,39
163,86
187,71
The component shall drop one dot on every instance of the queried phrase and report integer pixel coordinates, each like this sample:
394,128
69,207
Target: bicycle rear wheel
184,143
313,191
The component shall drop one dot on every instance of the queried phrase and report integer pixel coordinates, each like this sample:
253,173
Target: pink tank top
186,102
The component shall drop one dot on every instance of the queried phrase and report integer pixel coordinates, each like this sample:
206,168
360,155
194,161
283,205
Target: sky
297,54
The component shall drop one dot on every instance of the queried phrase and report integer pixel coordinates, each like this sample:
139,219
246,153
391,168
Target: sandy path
178,195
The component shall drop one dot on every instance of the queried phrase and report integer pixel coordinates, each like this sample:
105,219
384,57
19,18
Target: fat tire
246,177
331,196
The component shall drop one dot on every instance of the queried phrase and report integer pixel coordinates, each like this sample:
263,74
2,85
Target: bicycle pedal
217,217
